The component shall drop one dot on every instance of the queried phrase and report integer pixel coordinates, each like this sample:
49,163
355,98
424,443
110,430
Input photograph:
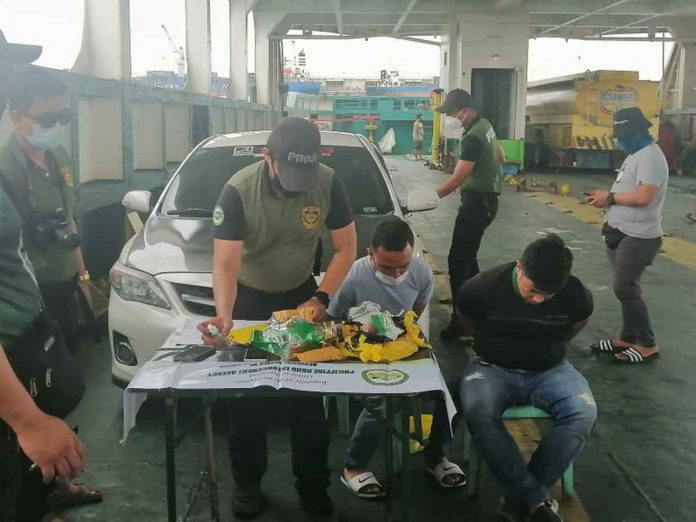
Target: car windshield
201,178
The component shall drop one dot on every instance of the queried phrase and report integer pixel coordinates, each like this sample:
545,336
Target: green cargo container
390,113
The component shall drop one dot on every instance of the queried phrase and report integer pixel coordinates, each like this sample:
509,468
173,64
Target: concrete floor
637,467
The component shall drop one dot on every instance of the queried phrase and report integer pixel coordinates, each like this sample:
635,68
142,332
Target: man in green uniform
476,175
42,439
268,220
38,176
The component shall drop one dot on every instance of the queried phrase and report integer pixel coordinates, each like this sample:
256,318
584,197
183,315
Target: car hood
171,244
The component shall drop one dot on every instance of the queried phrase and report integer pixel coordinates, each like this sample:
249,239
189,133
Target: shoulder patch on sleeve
218,216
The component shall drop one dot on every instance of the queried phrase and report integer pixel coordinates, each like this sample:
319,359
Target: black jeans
10,474
249,418
629,260
476,212
60,300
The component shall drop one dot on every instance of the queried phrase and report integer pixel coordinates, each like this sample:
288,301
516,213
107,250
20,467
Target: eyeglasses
48,120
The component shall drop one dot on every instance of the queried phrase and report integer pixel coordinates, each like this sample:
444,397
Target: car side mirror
419,200
137,201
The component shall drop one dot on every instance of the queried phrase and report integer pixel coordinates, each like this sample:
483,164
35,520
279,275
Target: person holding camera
37,174
39,381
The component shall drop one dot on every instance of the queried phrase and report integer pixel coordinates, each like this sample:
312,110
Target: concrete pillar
239,10
266,57
493,42
105,51
449,57
684,31
198,46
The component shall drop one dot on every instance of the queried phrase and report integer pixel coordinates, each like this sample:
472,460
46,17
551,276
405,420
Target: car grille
196,299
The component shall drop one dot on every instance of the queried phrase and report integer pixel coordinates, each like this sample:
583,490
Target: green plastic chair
473,456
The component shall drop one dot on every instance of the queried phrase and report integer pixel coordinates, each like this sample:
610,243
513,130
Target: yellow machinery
574,114
370,127
436,99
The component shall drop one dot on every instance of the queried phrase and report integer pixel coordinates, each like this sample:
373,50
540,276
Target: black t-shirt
234,227
514,334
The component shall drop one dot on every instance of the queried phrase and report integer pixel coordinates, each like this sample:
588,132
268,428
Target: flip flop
605,346
358,484
84,495
445,469
633,356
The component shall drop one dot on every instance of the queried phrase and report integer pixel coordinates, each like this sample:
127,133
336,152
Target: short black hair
419,116
392,235
30,83
547,262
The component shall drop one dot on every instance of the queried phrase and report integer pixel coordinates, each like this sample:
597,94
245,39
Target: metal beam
404,16
578,18
339,16
616,38
632,24
418,40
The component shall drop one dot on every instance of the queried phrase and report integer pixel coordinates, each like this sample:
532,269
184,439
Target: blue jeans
487,391
366,436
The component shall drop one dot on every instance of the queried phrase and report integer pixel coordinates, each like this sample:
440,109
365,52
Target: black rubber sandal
605,346
633,356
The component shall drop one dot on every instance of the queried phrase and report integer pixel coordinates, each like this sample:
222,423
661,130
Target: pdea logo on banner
379,377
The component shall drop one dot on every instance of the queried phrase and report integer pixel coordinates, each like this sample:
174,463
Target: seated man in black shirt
524,314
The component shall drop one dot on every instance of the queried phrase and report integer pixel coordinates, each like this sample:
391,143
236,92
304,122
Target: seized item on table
293,336
388,352
326,354
244,335
282,316
374,320
413,331
274,339
305,335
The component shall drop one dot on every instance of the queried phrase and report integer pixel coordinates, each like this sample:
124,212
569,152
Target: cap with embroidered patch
295,144
630,121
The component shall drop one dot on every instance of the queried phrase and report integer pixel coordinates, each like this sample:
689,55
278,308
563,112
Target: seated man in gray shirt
391,277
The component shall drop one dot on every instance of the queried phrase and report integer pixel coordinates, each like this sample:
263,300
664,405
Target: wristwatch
611,200
84,276
323,298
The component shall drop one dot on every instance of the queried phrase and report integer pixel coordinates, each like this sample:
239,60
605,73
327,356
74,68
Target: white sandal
445,469
358,484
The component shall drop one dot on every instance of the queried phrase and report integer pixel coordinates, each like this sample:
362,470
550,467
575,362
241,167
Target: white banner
397,378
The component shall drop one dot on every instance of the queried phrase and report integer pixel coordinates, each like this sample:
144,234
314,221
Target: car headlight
133,285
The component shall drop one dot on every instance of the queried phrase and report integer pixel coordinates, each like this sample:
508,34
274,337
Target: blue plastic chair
473,456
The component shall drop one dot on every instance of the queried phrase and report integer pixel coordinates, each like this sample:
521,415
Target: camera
55,228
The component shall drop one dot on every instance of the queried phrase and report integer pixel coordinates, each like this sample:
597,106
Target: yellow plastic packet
413,331
244,335
388,352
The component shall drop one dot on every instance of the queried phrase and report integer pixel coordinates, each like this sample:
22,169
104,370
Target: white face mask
389,280
452,123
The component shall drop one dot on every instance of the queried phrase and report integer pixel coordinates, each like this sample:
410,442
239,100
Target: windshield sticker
370,210
247,150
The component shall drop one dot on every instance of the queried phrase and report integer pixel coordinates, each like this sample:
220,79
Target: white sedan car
164,273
